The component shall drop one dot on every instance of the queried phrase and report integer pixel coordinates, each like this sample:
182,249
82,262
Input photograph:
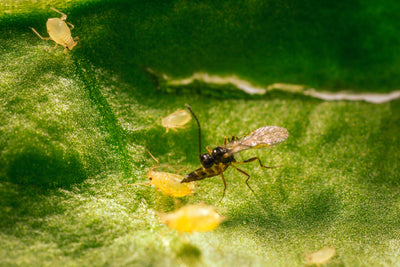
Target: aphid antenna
151,155
198,125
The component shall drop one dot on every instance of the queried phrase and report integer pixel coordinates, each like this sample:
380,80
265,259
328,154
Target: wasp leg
228,140
223,180
248,178
209,150
63,16
259,161
43,38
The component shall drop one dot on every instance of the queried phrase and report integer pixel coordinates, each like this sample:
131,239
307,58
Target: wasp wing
262,137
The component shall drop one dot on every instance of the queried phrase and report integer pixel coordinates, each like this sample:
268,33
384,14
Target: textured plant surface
74,129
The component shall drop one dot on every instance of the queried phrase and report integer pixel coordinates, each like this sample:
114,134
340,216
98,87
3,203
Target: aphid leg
259,161
248,177
223,180
72,26
181,170
56,46
138,184
201,189
175,128
63,16
177,203
43,38
184,238
161,236
183,127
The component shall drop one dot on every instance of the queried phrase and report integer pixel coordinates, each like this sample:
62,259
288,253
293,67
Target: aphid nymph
216,161
176,120
169,184
321,256
192,218
59,31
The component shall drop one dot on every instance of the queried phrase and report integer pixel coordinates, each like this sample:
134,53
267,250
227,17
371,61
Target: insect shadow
216,161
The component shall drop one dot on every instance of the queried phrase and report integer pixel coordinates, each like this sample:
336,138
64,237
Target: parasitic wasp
216,161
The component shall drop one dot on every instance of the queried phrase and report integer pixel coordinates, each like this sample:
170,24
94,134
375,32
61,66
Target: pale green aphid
59,31
321,256
192,218
176,120
169,184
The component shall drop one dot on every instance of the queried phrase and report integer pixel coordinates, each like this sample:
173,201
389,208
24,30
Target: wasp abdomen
202,173
196,175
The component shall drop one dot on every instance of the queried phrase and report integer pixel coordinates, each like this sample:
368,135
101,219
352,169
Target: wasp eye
206,160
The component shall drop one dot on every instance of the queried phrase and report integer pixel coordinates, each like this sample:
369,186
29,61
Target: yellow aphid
321,256
192,218
176,120
59,31
168,183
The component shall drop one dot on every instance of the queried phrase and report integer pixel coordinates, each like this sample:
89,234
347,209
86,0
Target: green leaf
74,129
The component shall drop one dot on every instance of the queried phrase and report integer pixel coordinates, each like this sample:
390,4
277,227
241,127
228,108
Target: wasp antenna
198,124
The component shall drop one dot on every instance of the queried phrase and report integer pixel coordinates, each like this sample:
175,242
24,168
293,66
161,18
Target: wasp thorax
220,154
206,160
